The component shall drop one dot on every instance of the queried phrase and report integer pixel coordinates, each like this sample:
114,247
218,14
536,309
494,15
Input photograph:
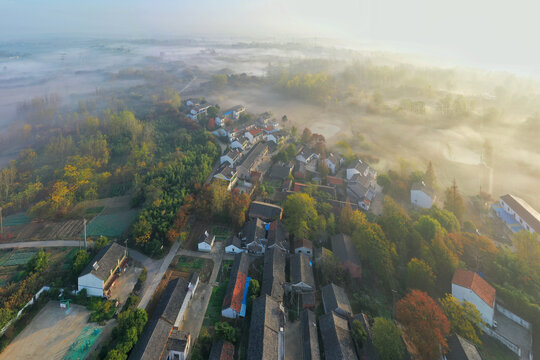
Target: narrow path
46,243
156,278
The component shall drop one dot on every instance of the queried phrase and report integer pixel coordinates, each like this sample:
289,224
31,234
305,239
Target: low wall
516,349
513,317
31,302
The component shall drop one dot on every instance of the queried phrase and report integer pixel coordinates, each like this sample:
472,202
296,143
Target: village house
234,245
274,273
266,333
206,242
227,174
264,211
469,286
361,194
334,161
99,275
161,339
344,249
422,195
221,350
277,236
517,214
461,349
233,113
254,236
335,299
310,338
254,135
333,181
360,169
302,279
277,137
281,171
251,161
234,303
303,246
197,110
336,338
230,157
306,155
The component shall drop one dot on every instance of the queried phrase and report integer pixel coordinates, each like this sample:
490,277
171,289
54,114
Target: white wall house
234,246
230,157
523,213
469,286
206,242
98,276
422,196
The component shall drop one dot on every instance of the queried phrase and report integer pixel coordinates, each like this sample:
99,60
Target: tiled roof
310,339
254,154
255,132
421,186
334,297
172,299
237,283
336,339
303,243
153,340
273,273
332,180
524,210
254,230
222,350
302,270
264,211
266,321
344,249
471,280
461,349
105,261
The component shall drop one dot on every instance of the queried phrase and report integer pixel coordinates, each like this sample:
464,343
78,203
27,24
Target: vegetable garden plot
16,219
18,258
111,224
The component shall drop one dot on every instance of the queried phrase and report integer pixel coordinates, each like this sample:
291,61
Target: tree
38,262
254,288
429,177
454,202
82,258
219,81
358,332
385,182
306,136
101,242
237,208
428,227
324,170
299,214
420,275
116,354
387,339
425,322
465,319
225,331
528,249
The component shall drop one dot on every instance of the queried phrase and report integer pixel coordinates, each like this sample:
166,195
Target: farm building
100,274
234,303
469,286
206,242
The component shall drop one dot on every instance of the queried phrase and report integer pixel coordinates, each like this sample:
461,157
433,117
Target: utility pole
1,224
84,221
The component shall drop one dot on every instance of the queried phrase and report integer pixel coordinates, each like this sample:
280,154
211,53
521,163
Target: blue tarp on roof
244,299
507,218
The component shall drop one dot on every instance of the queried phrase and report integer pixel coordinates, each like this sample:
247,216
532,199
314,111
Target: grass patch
189,264
213,312
220,231
18,258
491,349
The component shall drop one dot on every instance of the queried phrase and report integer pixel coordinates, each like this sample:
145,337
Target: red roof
255,132
299,186
227,352
269,128
238,292
471,280
332,180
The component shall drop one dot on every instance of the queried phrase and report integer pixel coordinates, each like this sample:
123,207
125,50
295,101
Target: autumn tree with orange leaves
425,323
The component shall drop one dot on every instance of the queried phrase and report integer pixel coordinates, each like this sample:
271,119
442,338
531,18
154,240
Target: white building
230,157
253,135
469,286
206,242
333,161
98,277
422,195
234,246
518,210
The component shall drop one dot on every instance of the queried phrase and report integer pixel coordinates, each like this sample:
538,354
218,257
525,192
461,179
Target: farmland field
111,222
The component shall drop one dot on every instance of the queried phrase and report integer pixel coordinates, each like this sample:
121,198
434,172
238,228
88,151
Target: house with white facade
206,242
333,161
360,169
231,157
239,143
234,246
306,155
469,286
254,135
100,274
517,214
422,195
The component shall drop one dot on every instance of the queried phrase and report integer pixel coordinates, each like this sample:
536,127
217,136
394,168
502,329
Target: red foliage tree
425,323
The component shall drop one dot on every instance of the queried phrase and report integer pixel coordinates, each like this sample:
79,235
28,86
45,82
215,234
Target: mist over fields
393,108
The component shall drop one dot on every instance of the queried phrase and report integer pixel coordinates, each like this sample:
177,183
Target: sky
498,34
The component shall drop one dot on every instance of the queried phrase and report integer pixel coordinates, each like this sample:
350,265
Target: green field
17,219
111,224
213,312
18,258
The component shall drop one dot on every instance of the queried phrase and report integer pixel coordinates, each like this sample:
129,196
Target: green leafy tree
116,354
428,227
387,339
299,214
38,262
219,81
359,332
101,242
82,258
528,248
420,275
225,331
465,319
